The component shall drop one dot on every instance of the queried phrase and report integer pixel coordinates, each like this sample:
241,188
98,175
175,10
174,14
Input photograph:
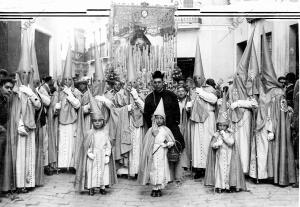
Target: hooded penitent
272,104
239,81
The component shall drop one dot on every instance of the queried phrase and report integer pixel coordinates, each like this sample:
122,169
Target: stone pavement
58,191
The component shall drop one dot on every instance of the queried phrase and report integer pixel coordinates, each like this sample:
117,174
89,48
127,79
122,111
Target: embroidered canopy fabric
158,20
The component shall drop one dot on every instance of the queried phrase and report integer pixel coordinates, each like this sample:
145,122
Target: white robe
97,171
160,172
202,133
25,160
66,145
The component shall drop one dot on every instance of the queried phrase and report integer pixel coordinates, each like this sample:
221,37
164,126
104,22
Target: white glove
270,136
189,104
163,145
222,132
100,98
199,90
57,106
234,105
219,102
106,159
26,90
67,91
129,107
21,128
90,154
254,103
134,93
86,108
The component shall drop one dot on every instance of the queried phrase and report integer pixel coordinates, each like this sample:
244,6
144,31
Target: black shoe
153,192
22,190
158,193
91,192
103,192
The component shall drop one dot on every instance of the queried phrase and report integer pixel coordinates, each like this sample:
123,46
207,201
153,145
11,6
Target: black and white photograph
149,103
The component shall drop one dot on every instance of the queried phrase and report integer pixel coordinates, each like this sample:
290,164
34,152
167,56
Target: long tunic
97,171
223,159
160,172
135,131
202,130
26,149
67,129
154,166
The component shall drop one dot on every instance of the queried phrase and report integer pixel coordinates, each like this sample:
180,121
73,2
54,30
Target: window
269,43
241,46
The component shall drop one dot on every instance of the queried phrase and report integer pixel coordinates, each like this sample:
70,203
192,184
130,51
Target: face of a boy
98,123
159,120
222,127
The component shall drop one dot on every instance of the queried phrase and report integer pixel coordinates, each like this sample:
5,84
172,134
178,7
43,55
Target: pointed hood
223,117
25,59
252,84
131,72
36,75
238,91
269,78
160,110
95,111
198,67
99,74
68,64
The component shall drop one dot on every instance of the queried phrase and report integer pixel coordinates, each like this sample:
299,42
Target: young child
154,167
96,161
224,170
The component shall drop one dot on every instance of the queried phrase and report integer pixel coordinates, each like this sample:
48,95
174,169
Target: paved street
59,191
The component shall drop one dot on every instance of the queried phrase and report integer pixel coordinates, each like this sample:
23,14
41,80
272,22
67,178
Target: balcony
188,22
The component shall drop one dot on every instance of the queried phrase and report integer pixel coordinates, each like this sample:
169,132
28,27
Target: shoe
153,192
91,192
102,191
22,190
158,193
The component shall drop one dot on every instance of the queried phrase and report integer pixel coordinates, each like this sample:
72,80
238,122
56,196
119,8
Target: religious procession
138,115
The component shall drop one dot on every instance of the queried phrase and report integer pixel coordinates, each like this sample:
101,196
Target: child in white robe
98,153
154,166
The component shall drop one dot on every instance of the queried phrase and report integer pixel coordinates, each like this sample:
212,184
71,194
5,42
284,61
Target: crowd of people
224,132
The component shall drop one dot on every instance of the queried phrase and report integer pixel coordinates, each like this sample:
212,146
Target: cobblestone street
59,191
